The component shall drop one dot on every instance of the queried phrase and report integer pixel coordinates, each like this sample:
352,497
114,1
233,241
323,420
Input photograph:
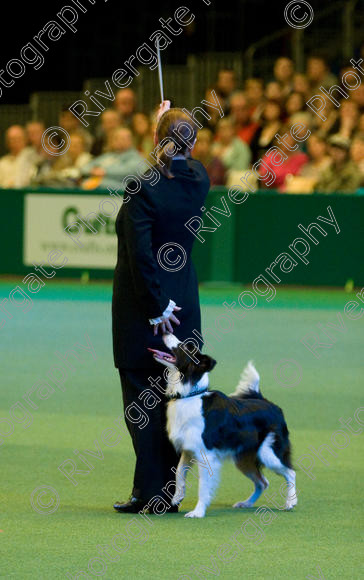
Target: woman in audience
265,136
296,110
232,151
110,120
202,151
348,119
142,133
273,92
301,85
291,166
357,155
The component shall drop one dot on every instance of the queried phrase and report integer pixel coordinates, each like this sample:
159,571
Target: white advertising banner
81,226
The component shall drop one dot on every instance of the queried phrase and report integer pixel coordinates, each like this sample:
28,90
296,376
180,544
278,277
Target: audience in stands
203,152
254,113
343,175
109,169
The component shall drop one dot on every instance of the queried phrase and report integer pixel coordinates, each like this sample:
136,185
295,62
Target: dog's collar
192,393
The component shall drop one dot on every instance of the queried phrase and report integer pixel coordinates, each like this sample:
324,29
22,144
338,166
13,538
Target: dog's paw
195,514
243,504
176,499
290,504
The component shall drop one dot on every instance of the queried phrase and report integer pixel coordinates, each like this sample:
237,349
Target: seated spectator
273,92
125,104
283,74
34,131
357,155
142,133
311,172
244,126
203,152
343,175
232,151
318,74
327,124
348,119
15,171
69,122
254,91
358,97
224,88
110,120
265,135
109,169
301,85
360,128
290,166
68,170
296,110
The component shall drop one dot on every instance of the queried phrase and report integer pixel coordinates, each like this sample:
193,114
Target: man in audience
254,91
109,169
125,104
318,74
283,73
71,124
234,153
110,120
12,165
239,108
343,176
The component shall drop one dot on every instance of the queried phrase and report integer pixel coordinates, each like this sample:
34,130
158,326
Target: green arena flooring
52,527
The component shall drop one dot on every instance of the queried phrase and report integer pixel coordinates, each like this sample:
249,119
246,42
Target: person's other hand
166,325
163,107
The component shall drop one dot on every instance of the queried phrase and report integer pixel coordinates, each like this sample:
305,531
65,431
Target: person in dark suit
149,291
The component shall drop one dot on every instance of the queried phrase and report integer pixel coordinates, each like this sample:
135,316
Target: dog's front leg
181,473
208,479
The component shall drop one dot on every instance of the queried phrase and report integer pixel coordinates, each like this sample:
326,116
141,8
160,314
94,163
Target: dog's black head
185,358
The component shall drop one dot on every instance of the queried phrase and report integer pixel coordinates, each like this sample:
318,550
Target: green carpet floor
319,539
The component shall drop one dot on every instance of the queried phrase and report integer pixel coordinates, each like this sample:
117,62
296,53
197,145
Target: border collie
243,426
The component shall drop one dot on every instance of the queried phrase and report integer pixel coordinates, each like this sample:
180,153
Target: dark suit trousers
155,454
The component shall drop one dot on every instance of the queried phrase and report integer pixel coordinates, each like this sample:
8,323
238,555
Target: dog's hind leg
248,465
181,474
269,458
208,481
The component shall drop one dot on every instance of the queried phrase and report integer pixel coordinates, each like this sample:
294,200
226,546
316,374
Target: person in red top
239,109
294,161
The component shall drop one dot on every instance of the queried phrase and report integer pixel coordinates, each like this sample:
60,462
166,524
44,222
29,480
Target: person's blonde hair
176,134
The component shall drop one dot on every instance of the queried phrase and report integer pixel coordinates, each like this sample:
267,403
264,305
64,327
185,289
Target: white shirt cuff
165,314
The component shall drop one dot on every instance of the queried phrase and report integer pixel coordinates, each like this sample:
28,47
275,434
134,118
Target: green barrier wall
244,244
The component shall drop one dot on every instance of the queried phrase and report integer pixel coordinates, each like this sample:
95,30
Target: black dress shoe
132,506
135,505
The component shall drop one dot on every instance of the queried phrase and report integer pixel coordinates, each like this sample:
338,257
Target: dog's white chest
185,423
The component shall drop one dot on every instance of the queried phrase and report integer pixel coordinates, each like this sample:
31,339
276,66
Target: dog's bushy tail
248,386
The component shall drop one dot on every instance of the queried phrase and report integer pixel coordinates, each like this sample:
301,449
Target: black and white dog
243,426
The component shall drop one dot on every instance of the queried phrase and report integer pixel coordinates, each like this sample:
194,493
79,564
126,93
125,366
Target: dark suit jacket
142,287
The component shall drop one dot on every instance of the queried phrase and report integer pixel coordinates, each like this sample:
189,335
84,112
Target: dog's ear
207,363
